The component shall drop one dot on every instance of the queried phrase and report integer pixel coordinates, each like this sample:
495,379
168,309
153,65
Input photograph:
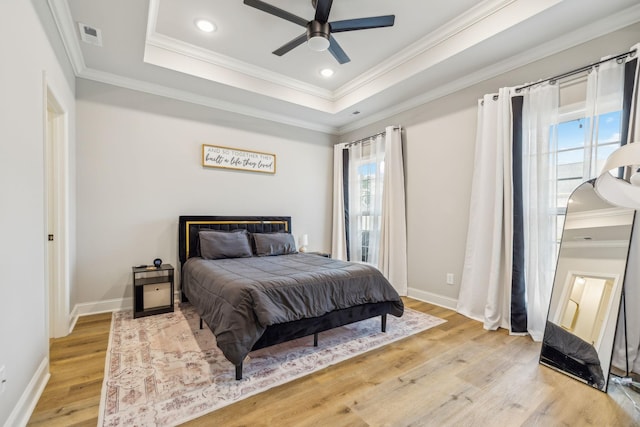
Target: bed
251,302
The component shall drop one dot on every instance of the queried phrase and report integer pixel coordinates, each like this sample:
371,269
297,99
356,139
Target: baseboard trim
117,304
106,306
432,298
97,307
29,399
73,318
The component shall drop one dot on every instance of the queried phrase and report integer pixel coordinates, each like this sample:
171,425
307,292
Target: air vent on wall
90,35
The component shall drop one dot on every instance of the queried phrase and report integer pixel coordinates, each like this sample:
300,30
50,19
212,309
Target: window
577,159
362,169
366,179
367,216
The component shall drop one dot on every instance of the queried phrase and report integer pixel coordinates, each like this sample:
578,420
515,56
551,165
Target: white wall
139,168
439,143
26,55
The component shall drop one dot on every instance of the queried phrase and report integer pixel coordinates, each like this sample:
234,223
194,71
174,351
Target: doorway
56,216
589,301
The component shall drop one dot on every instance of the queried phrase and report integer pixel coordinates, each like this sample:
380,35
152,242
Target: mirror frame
613,310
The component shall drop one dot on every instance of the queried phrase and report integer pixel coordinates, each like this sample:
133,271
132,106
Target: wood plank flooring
456,374
72,396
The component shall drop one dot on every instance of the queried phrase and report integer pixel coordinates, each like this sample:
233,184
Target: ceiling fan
319,31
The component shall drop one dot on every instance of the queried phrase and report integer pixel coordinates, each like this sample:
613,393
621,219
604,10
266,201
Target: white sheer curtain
366,172
632,278
376,220
485,289
539,146
605,87
393,233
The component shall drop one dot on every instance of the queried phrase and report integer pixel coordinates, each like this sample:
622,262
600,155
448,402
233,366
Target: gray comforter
238,298
576,348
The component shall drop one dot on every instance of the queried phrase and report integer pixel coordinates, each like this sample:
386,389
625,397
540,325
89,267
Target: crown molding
68,32
459,35
212,73
440,35
591,244
153,38
379,78
185,96
67,29
612,212
597,29
597,218
168,43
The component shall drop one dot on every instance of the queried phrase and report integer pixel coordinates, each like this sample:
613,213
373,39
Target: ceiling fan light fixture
318,36
318,43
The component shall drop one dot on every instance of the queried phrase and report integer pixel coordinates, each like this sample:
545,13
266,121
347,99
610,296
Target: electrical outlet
3,378
450,279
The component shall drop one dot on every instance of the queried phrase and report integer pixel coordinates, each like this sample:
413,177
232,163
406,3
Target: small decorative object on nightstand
152,290
304,241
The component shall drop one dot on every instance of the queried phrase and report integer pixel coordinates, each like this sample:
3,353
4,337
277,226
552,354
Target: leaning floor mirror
585,300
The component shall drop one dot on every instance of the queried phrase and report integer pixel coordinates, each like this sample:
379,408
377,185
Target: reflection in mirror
585,299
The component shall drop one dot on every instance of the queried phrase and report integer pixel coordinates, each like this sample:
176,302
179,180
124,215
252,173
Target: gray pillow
274,244
224,244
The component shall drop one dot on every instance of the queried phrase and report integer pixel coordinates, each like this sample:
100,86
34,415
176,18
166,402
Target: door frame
614,278
56,148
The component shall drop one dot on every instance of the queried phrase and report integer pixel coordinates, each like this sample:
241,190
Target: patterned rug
163,370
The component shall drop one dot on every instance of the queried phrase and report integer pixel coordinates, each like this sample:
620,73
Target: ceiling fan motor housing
318,29
318,35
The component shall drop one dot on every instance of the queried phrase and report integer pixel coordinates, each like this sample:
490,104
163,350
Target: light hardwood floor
456,374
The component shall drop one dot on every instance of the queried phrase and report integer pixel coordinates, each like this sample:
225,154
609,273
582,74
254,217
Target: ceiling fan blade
265,7
292,44
337,51
362,23
323,7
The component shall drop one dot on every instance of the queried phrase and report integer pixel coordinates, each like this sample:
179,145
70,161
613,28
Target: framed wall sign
214,156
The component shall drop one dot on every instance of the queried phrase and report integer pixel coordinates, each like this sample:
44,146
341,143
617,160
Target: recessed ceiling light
206,26
326,72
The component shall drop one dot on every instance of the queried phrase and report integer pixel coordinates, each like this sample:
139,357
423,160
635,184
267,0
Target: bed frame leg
239,372
201,327
315,339
384,322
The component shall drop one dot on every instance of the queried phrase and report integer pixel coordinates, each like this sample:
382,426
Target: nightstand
152,290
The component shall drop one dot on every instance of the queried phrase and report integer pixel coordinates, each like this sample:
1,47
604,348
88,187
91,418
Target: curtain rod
357,141
552,80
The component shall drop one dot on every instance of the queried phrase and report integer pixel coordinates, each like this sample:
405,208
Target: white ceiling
434,48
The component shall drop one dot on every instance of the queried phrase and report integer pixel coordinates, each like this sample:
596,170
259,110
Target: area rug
163,370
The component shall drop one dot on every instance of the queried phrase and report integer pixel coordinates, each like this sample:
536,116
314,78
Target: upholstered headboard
189,227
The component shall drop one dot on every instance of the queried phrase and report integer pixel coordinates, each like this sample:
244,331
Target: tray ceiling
433,49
